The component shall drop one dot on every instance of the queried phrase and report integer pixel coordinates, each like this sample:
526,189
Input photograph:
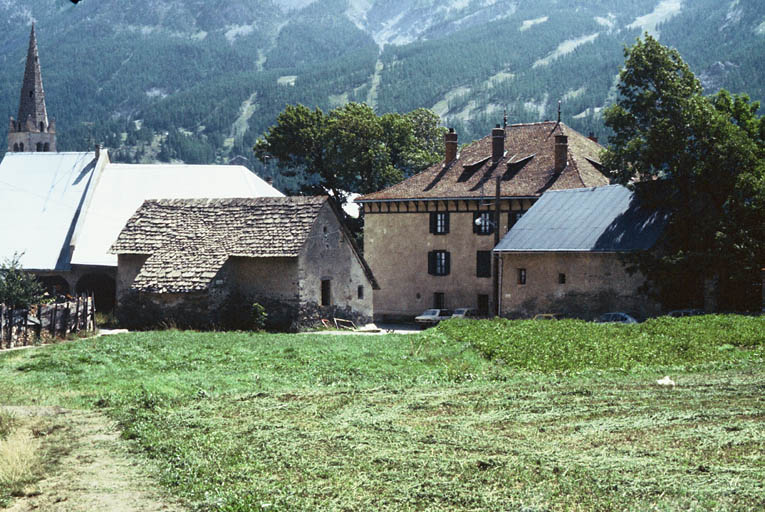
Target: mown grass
19,457
428,422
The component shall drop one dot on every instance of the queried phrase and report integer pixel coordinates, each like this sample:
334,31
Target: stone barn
204,262
566,255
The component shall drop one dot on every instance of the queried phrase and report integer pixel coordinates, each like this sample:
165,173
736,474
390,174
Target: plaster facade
574,284
397,240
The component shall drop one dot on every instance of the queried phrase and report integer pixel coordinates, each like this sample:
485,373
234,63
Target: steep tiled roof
189,240
527,167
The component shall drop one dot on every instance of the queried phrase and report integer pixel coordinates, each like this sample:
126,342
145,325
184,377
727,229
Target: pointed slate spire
32,104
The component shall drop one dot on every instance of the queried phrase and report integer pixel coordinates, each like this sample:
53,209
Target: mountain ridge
199,81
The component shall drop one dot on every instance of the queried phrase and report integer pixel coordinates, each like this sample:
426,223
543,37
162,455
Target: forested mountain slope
199,81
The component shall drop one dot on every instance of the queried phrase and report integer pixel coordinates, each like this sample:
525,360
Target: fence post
77,315
93,309
53,321
2,324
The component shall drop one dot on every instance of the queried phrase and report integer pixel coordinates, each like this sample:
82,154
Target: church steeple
31,131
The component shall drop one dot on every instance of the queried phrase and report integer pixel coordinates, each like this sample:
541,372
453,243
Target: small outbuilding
566,255
204,262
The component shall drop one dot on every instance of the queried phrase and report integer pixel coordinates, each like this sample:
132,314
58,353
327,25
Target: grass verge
450,419
19,457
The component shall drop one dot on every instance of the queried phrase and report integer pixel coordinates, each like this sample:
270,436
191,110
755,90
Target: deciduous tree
705,162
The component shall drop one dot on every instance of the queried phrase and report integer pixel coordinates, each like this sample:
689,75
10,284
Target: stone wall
397,243
329,256
582,285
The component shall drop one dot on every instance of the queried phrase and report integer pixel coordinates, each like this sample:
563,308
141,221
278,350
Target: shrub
18,288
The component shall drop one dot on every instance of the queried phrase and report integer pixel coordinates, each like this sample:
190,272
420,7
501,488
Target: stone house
566,255
62,211
293,255
429,238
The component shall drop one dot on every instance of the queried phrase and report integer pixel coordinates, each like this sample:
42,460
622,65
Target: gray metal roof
601,219
41,195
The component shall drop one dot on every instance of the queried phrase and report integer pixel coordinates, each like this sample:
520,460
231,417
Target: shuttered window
439,223
439,263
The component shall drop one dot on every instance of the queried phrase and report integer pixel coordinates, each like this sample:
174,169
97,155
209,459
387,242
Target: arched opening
55,285
42,126
102,287
15,147
39,147
21,146
46,147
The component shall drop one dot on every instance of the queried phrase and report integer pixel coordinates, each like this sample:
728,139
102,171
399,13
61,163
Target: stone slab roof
189,240
527,168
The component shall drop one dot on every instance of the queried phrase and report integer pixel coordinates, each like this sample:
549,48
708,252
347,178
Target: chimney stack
592,137
450,140
561,152
497,144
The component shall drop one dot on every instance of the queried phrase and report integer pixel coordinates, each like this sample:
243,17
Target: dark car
616,317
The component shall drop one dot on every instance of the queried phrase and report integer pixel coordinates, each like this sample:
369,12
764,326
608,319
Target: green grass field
489,415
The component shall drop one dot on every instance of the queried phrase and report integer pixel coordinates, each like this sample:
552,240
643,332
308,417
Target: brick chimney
497,144
450,141
561,152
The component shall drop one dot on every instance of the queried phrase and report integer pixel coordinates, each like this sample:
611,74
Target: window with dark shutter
482,223
439,263
483,264
439,223
513,217
521,276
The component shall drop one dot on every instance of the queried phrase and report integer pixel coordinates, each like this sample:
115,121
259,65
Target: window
483,264
326,292
439,300
21,146
513,217
482,223
42,126
16,147
360,292
561,278
521,276
439,263
439,223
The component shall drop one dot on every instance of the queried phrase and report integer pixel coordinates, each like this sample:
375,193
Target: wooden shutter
446,222
447,263
432,263
433,222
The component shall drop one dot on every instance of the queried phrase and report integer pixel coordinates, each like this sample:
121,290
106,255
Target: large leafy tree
351,149
702,160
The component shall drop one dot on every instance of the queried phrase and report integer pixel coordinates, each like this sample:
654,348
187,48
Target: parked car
465,313
677,313
548,316
431,317
616,317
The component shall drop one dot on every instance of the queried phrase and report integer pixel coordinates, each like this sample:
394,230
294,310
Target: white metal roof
122,188
40,195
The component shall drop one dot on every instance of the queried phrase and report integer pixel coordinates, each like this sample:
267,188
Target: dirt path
88,467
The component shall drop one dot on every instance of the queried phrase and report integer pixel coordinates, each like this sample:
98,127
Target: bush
18,288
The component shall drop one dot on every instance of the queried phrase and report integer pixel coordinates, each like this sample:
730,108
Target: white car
432,316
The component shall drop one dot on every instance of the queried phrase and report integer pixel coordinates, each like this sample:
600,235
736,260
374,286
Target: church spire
31,131
32,104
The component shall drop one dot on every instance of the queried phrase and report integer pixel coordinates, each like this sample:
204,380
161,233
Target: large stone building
566,255
292,255
429,239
